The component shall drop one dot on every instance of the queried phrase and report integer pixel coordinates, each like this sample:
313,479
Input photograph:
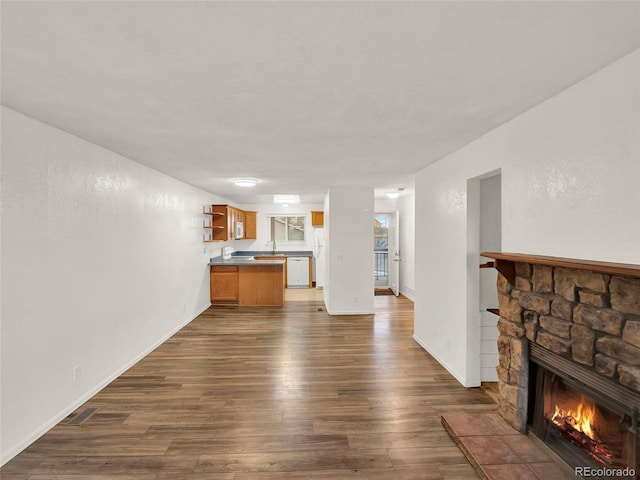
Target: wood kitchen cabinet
256,285
224,284
277,258
262,285
317,219
222,226
219,226
235,215
250,225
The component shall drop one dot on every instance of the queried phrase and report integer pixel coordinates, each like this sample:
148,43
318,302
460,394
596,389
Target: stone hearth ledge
497,451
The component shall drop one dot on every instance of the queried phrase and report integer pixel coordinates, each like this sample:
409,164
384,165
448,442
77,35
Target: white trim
56,419
452,371
408,292
351,312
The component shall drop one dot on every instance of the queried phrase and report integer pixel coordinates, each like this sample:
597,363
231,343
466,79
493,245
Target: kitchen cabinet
317,219
255,285
222,226
261,285
250,225
217,228
276,258
224,284
235,215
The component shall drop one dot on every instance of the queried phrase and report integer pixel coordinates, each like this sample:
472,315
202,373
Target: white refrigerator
318,254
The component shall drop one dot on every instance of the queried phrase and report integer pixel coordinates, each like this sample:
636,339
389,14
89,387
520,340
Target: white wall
573,170
102,259
348,242
570,175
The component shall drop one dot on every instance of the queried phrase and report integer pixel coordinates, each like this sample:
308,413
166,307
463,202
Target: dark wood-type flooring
269,393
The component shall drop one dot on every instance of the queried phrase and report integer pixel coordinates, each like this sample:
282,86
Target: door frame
393,250
474,336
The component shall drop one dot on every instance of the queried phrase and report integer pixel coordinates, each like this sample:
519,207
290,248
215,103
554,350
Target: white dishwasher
298,272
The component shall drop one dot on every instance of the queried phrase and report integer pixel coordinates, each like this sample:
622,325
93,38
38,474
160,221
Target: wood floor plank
269,393
399,439
293,461
393,473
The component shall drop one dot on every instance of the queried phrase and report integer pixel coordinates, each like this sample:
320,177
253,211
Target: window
286,228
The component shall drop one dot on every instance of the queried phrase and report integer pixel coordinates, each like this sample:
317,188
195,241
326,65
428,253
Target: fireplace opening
588,423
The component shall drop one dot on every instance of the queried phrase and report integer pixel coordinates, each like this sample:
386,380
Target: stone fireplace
569,347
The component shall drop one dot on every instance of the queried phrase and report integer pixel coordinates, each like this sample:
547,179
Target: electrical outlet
76,374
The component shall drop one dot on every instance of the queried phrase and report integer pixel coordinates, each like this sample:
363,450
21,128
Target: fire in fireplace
592,430
585,423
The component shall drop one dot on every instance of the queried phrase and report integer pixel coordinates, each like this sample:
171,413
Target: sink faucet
273,249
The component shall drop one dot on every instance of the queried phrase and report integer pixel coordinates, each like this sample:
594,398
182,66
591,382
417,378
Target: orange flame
581,419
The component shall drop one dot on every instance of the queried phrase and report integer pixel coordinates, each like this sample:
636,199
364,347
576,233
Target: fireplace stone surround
585,311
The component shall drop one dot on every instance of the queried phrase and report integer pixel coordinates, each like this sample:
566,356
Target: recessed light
286,199
393,194
245,182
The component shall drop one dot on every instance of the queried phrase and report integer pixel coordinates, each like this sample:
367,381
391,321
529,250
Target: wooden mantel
504,263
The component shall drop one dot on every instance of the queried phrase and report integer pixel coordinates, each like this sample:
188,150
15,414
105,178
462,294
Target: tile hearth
497,451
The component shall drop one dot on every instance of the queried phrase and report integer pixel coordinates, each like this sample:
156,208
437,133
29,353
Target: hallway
255,393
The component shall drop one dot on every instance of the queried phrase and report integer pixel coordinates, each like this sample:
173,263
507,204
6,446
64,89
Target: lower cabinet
225,284
261,285
284,259
257,285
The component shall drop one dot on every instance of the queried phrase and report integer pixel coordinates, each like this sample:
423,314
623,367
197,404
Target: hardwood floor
269,393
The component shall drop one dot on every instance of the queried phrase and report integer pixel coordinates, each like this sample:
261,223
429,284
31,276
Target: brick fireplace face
589,318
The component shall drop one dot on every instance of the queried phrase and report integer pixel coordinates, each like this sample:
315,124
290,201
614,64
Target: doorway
386,256
484,228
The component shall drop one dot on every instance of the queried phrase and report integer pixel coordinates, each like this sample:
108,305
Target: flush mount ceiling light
395,194
245,182
286,199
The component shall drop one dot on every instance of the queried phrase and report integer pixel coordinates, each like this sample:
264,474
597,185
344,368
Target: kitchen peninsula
255,278
247,281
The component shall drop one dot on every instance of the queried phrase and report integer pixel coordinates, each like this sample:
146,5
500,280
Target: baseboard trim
350,312
409,293
37,433
460,378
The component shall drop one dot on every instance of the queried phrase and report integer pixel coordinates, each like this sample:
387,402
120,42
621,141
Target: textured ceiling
300,95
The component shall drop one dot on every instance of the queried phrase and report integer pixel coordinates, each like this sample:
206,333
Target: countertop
240,260
248,257
268,253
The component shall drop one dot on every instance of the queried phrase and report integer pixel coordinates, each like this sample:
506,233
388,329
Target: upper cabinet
218,228
236,216
250,225
317,219
224,222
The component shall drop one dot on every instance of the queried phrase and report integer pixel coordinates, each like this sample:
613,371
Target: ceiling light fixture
245,182
393,194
